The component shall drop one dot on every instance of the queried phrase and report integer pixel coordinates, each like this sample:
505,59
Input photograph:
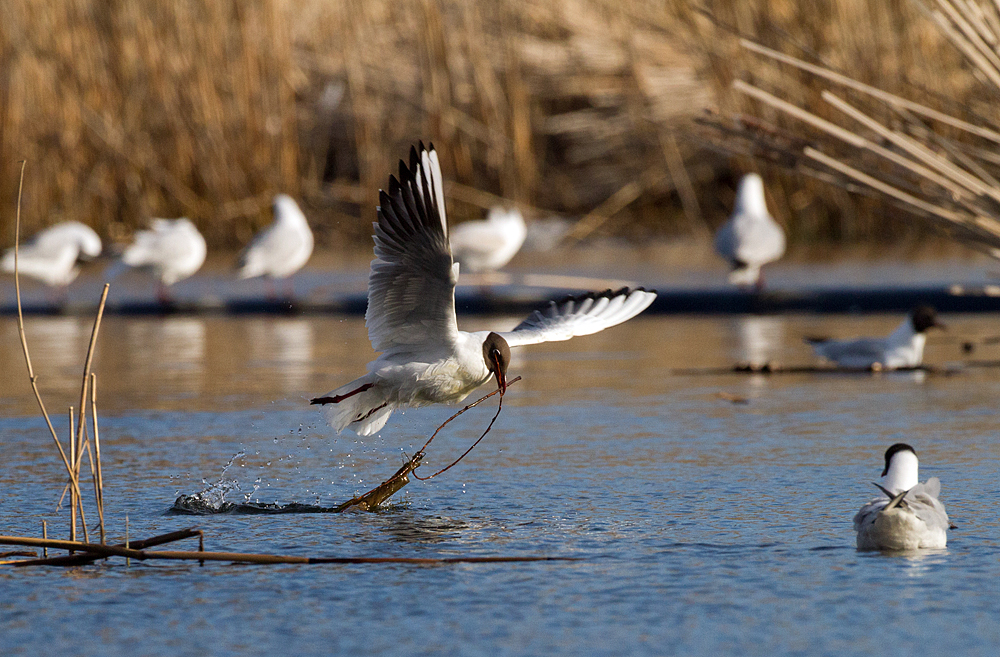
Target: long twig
421,452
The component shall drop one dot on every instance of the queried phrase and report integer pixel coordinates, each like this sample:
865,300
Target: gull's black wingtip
394,185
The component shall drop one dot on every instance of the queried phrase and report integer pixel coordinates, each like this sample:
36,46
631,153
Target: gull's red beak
499,372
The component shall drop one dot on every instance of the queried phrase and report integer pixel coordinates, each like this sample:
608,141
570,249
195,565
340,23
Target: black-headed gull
172,249
282,248
908,515
751,238
425,359
51,256
904,347
488,245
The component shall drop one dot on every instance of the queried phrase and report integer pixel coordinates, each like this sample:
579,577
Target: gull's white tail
360,406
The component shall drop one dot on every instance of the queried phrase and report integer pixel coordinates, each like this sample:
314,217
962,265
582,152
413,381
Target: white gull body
282,248
917,520
490,244
172,249
51,256
411,319
904,347
751,238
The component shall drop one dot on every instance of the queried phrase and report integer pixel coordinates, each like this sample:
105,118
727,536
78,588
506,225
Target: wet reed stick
45,535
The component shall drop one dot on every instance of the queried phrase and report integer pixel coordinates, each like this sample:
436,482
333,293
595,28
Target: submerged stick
373,499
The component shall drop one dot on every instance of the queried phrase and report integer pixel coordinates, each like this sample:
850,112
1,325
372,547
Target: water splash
212,499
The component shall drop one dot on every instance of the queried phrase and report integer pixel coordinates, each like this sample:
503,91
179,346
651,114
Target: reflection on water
170,343
758,339
285,346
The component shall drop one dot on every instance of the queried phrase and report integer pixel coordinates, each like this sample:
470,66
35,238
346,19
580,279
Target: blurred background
130,109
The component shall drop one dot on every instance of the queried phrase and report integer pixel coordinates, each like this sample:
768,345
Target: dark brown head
923,318
496,352
892,451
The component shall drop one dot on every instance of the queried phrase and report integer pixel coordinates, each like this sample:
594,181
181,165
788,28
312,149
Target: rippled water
702,526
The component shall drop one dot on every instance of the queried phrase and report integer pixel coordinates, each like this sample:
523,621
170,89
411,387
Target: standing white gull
751,238
488,245
172,249
282,248
904,347
411,319
51,256
908,515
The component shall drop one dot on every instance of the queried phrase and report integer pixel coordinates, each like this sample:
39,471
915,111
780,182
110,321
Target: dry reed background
132,109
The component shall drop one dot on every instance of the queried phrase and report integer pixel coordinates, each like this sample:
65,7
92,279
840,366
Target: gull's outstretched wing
579,315
411,288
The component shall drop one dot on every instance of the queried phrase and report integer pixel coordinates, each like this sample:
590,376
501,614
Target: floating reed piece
932,156
94,552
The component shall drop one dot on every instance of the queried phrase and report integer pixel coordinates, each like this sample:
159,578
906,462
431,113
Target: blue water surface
699,524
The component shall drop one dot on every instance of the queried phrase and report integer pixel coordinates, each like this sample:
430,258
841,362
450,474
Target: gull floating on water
751,238
908,515
411,319
51,256
904,347
488,245
282,248
172,249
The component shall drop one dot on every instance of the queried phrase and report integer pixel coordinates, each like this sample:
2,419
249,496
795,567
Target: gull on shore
751,238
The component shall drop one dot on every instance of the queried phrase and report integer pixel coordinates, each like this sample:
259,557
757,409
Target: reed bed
576,107
921,142
206,109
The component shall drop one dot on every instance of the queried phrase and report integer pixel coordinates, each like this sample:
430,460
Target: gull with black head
902,348
908,514
411,318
